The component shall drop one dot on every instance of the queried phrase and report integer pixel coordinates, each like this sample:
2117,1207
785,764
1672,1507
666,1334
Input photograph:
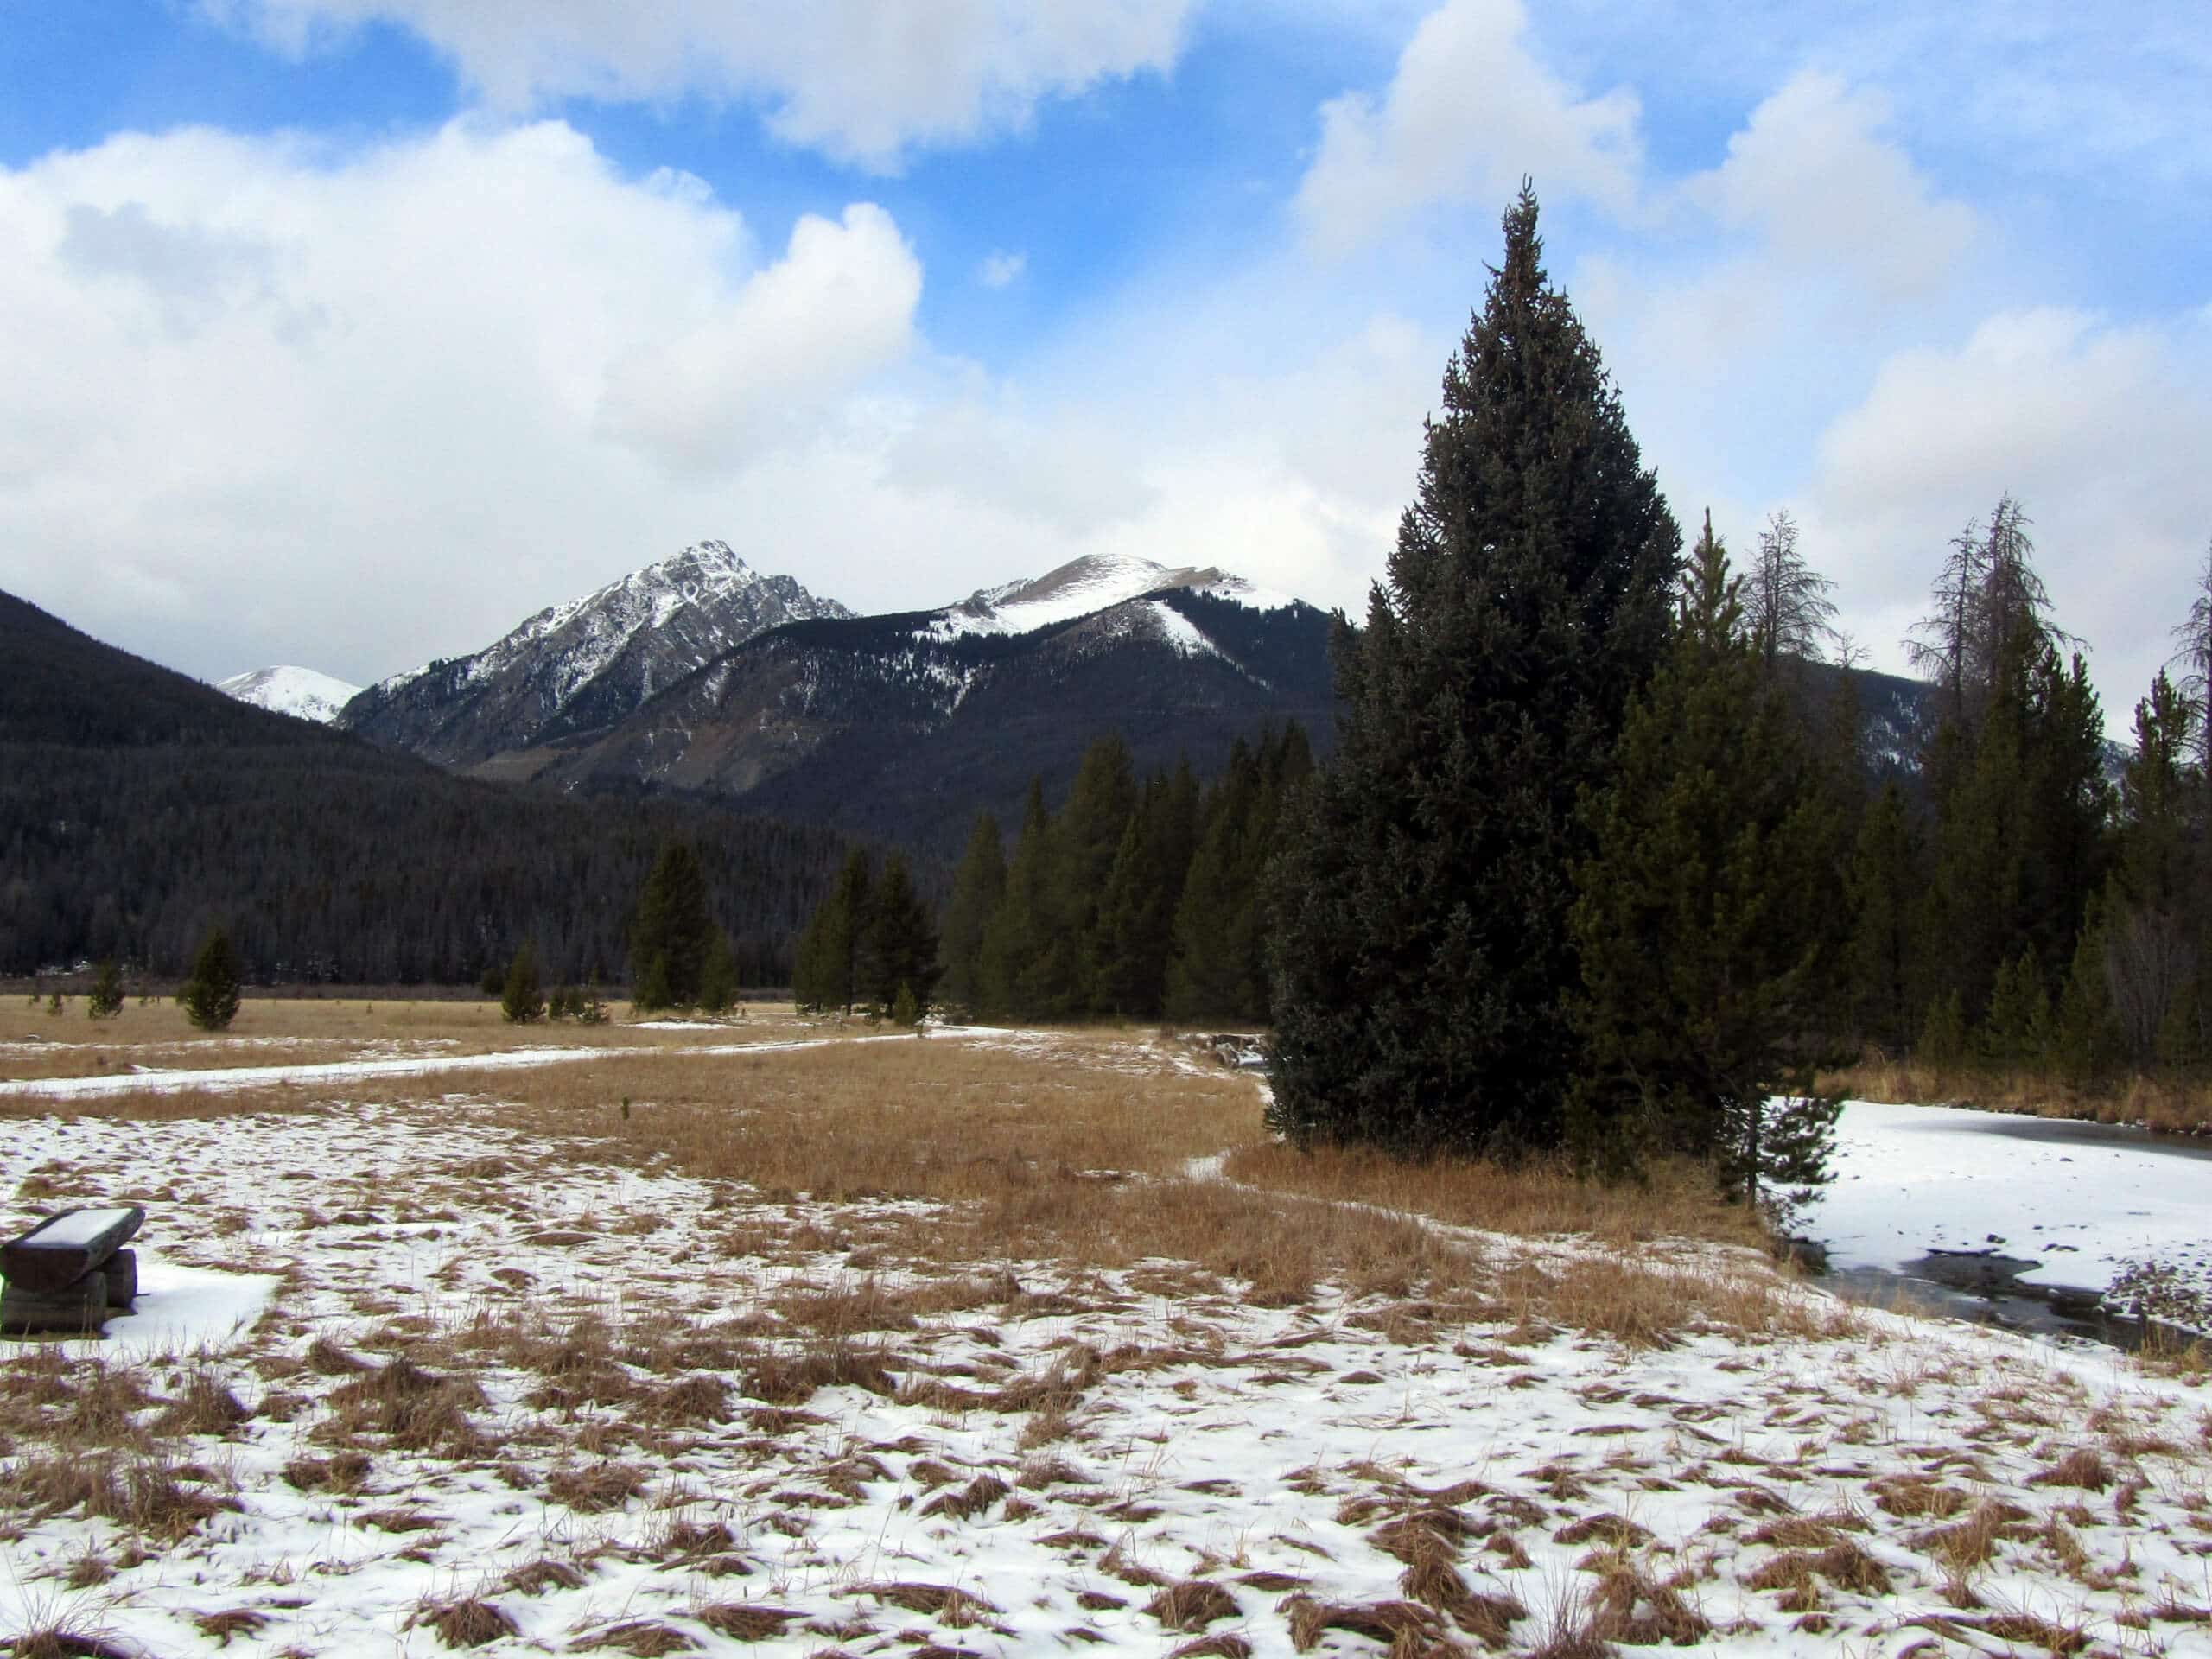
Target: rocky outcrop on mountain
584,664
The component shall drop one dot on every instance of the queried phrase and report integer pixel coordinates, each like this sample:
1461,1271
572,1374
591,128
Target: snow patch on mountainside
285,689
1182,634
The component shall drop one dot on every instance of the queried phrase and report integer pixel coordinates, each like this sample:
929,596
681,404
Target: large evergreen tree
977,888
898,947
1420,956
670,938
826,968
1702,918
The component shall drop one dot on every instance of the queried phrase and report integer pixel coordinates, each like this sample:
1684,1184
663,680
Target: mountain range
699,677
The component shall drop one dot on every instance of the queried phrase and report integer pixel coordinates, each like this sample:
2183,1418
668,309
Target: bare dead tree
1786,610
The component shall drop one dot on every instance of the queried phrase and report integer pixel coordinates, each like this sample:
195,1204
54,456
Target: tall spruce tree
898,942
826,966
978,888
1019,933
672,929
1883,905
1420,955
1701,916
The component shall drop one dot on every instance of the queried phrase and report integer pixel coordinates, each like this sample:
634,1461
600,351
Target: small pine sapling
104,1001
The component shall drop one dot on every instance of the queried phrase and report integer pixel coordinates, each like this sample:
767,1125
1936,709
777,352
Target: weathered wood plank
64,1248
122,1271
79,1307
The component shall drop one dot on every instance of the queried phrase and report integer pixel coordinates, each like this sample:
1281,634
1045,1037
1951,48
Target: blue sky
347,331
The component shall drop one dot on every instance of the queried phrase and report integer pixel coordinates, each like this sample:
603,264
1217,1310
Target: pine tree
1701,920
717,974
827,972
2085,1038
522,1001
1061,980
104,1000
1420,953
1015,941
211,994
978,887
1942,1044
2016,1033
899,944
1884,891
672,926
2149,952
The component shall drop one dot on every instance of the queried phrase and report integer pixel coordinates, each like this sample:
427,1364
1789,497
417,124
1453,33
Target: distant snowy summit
1095,583
586,663
300,692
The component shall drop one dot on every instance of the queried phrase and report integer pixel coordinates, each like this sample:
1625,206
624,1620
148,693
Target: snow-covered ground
489,1387
2079,1199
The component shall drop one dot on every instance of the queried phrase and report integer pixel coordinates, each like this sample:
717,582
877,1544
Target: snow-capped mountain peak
588,661
1091,583
285,689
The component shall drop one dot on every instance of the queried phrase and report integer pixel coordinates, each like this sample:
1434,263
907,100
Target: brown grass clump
416,1409
642,1638
744,1621
62,1641
1629,1606
1972,1541
206,1407
955,1608
1388,1622
469,1622
1913,1496
1225,1645
546,1572
1192,1605
791,1377
977,1496
345,1472
235,1621
1843,1564
1434,1582
2084,1468
595,1490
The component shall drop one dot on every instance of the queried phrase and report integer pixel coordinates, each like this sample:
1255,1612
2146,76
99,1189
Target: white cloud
1812,176
1001,269
277,404
2100,428
1470,111
862,80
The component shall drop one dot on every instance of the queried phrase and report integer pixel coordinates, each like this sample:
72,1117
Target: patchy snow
1078,587
1247,593
181,1311
1182,635
284,689
972,1503
2079,1198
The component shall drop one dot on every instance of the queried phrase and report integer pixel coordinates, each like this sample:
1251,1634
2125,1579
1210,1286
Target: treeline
1137,899
139,810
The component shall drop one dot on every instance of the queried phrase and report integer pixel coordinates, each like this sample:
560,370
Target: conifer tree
1702,916
104,1000
1420,953
826,972
898,942
1787,609
1885,889
1060,980
1015,941
978,888
717,974
2016,1033
211,994
673,924
522,999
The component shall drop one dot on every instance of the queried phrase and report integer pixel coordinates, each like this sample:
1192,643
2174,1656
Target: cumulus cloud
864,81
332,409
1471,110
2099,428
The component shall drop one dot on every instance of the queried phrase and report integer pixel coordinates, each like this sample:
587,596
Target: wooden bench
69,1272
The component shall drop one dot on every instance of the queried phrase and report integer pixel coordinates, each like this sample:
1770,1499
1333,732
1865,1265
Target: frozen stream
2022,1220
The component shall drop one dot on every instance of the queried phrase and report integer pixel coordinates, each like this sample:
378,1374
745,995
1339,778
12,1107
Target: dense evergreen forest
139,809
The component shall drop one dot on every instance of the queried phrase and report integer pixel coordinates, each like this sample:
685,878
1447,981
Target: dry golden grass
304,1031
1678,1201
2171,1108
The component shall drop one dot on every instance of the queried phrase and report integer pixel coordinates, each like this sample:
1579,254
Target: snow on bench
65,1273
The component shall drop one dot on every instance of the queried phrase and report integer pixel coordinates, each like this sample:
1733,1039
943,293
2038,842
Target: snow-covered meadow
486,1358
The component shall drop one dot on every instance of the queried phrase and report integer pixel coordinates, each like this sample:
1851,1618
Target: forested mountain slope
138,806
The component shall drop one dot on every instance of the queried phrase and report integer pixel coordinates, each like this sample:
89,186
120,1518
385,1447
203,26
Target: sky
349,332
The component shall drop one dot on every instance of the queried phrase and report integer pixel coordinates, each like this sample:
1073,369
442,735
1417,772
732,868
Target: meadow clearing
799,1339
